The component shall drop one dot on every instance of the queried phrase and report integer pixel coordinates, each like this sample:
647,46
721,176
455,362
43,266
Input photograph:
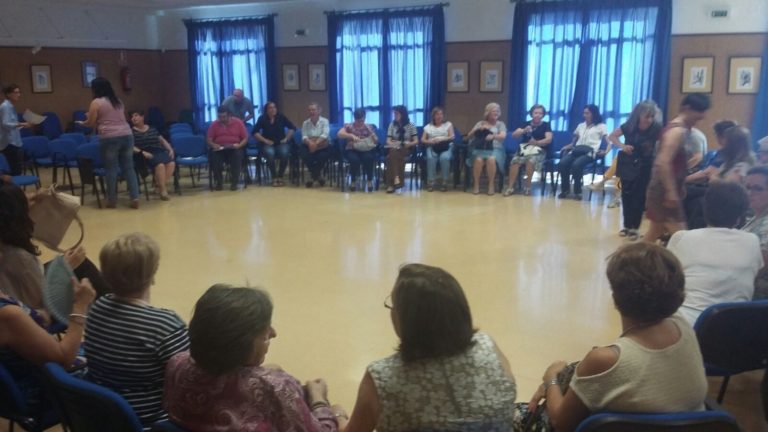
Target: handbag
364,145
441,146
529,150
479,142
53,213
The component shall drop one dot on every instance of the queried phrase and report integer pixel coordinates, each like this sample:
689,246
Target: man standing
10,137
226,138
314,144
239,106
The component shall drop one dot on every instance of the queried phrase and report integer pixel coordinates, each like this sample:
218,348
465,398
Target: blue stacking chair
704,421
91,169
180,127
87,407
155,118
14,407
37,152
64,155
52,125
78,137
19,180
167,426
733,338
191,151
79,115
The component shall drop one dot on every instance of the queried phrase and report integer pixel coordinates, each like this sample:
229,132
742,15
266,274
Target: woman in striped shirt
153,148
128,341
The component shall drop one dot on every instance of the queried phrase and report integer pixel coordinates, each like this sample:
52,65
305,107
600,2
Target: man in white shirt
314,149
720,262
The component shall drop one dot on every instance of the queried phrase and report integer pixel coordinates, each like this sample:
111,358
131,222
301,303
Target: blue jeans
119,151
573,165
445,163
283,152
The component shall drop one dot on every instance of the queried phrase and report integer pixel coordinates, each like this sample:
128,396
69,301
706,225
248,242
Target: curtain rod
444,4
204,20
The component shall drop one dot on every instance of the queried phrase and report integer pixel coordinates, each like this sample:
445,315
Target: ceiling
167,4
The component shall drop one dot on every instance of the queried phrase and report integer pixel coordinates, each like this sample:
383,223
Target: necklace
639,325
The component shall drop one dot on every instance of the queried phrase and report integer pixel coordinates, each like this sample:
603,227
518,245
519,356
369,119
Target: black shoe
352,188
308,184
563,195
322,182
218,187
577,196
233,187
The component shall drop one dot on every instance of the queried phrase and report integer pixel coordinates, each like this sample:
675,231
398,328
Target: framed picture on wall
744,75
317,77
491,74
41,79
697,74
90,72
291,77
458,77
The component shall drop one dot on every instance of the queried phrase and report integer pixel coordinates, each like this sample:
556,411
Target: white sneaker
616,202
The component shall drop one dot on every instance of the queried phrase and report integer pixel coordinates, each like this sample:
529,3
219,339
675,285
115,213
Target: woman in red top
666,191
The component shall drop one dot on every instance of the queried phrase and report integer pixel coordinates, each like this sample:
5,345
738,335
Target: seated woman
128,341
21,272
270,133
536,134
148,142
438,137
757,190
493,157
401,139
654,367
446,376
25,345
583,150
729,274
222,384
736,159
361,148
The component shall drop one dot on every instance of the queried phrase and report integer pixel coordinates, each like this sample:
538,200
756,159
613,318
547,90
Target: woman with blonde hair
438,138
487,139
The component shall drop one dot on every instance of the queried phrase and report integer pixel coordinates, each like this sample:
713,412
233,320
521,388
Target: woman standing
107,115
667,186
401,139
634,161
495,131
583,150
270,132
10,136
361,148
438,137
156,150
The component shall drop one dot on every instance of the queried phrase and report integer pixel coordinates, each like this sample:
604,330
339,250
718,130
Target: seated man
720,262
314,144
226,138
757,189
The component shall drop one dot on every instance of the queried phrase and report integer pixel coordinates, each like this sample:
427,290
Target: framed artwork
744,75
491,74
41,79
697,74
291,77
90,72
317,77
458,77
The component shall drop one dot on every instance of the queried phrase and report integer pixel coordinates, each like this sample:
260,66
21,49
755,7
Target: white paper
33,118
763,141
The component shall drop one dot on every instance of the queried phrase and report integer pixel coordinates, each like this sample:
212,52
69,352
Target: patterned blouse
468,391
363,131
250,399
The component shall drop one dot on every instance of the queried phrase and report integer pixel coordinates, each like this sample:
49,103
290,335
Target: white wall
59,24
64,24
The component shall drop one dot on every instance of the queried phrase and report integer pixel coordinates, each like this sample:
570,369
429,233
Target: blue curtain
568,54
229,54
379,59
760,119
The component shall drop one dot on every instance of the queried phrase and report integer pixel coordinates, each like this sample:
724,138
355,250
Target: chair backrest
511,144
186,116
710,158
63,149
189,146
4,167
155,118
36,147
51,125
177,134
87,407
79,115
78,137
12,402
180,127
704,421
90,151
734,336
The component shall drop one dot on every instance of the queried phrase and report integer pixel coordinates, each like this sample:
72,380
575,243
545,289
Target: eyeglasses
755,189
388,302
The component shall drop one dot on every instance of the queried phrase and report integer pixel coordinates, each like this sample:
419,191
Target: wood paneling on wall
68,91
739,107
174,79
294,103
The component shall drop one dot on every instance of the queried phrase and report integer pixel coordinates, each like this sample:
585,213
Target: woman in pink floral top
221,383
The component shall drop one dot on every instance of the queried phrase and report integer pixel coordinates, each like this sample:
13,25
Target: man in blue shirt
10,137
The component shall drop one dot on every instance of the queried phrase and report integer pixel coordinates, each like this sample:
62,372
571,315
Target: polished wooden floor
533,269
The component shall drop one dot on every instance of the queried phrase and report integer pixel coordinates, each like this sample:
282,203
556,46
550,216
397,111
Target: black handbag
478,141
441,146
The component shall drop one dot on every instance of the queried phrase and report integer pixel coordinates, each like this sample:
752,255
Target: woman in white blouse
583,150
438,138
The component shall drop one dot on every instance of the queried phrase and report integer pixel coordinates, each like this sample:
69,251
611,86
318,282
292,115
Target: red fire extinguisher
125,78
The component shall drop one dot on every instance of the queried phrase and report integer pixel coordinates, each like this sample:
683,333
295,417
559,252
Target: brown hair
647,281
432,313
725,204
129,263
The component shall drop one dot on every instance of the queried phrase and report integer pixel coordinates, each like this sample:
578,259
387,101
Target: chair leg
723,387
764,393
68,172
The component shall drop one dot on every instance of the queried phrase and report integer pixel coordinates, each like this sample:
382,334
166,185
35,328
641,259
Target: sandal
390,189
508,192
444,188
633,235
623,232
431,188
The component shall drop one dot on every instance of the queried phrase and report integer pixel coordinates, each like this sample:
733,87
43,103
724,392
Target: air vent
719,13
